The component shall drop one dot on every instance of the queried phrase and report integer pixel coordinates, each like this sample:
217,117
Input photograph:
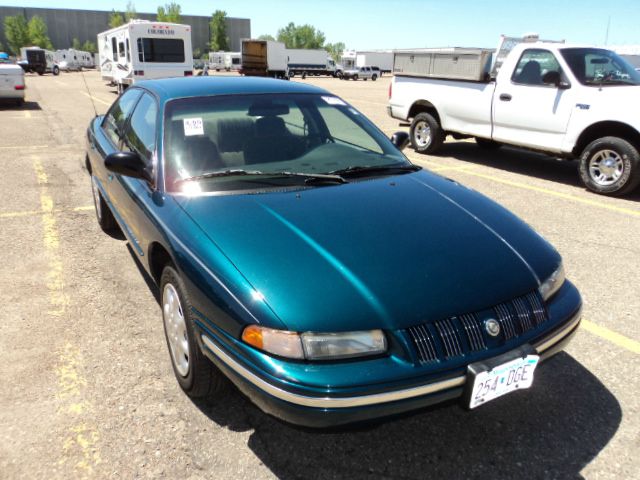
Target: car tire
355,77
610,166
426,134
195,373
105,217
374,78
487,144
56,70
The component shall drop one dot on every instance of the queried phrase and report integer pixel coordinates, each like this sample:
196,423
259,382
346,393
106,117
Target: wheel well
423,106
606,129
158,259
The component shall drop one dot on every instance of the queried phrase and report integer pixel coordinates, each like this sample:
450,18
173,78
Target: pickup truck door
526,110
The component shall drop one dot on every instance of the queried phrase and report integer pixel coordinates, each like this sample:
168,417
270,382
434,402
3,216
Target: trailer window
114,50
161,50
128,53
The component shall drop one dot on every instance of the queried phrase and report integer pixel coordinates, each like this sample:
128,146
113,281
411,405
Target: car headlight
552,284
316,346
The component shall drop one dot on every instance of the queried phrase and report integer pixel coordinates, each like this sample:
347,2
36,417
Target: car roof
182,87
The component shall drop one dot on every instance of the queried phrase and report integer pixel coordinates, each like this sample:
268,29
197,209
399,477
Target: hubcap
176,328
422,134
606,167
96,198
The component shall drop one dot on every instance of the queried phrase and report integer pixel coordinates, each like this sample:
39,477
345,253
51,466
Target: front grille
464,334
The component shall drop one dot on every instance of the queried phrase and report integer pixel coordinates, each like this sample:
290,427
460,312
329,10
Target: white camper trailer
143,50
232,61
39,60
216,61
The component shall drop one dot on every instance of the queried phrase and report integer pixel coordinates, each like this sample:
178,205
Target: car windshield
600,67
235,142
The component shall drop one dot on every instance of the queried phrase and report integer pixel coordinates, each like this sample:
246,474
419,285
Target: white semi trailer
305,62
142,50
382,59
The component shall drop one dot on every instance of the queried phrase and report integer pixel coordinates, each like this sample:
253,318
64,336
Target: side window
128,53
114,51
141,134
116,117
121,49
533,65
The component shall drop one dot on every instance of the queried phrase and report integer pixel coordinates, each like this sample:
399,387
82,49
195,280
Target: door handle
505,97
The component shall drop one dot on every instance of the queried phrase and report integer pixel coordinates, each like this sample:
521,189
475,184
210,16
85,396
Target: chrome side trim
331,402
560,334
374,399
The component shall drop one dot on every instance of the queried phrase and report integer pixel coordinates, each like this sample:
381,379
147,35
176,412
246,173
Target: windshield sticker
334,101
193,126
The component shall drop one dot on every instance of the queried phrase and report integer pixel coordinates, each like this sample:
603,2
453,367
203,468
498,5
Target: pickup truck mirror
554,78
128,164
400,140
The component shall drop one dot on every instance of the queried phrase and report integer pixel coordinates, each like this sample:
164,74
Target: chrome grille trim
524,314
449,337
506,320
537,305
473,330
423,341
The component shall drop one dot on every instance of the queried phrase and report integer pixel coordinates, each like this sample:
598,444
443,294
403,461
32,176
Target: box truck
264,58
305,62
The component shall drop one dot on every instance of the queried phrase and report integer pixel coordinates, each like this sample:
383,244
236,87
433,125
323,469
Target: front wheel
374,78
425,133
610,166
196,375
355,77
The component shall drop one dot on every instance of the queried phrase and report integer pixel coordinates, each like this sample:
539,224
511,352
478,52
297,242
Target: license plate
489,384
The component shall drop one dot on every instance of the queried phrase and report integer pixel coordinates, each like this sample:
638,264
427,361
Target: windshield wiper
309,177
357,169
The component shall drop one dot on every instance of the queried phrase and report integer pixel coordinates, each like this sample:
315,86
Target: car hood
384,253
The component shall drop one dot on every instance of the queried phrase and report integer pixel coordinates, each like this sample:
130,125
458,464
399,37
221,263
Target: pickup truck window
533,65
599,67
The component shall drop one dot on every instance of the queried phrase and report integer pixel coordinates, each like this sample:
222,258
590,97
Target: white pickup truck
568,101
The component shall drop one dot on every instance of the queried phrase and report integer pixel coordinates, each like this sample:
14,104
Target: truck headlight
316,346
552,284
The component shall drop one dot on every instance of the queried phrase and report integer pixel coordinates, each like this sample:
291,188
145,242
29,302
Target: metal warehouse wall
65,25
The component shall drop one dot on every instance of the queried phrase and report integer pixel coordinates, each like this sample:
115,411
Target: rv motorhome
143,50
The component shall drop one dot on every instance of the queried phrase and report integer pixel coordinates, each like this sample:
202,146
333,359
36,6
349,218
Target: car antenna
89,92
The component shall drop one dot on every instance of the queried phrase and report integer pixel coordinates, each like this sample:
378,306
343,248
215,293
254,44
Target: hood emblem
492,327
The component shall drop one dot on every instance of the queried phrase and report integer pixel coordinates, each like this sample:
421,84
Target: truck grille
464,334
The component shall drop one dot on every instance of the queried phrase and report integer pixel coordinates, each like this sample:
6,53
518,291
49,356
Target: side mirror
554,78
128,164
400,140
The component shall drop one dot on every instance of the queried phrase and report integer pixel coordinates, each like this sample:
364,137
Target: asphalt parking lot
87,386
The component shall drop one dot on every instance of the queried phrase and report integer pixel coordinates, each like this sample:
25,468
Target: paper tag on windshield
193,126
334,101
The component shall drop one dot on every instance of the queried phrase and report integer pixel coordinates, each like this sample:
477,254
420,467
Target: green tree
171,13
75,44
131,13
335,50
218,29
267,38
17,33
89,46
115,19
38,33
197,53
303,36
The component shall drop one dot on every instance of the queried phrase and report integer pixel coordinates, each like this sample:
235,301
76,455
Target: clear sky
377,24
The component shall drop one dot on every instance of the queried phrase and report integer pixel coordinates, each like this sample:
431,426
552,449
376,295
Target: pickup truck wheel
425,133
374,78
196,375
610,166
487,144
104,216
355,77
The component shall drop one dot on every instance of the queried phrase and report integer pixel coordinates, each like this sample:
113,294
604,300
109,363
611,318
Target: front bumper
330,410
